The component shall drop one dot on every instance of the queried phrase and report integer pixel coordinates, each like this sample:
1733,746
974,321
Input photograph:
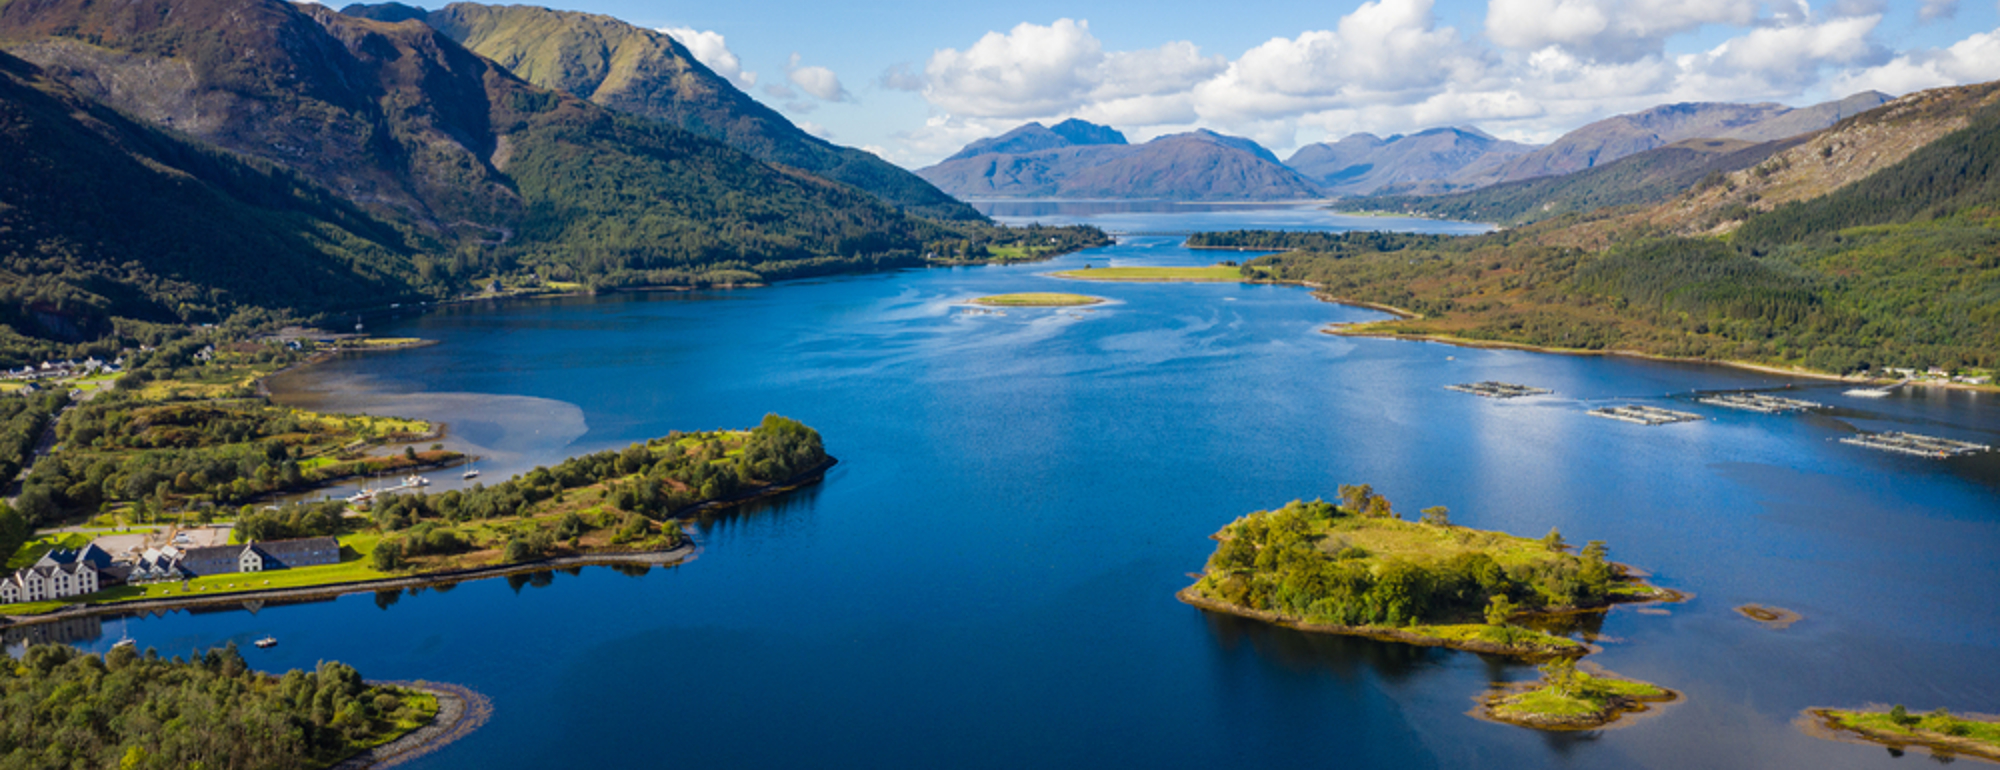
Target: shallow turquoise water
987,578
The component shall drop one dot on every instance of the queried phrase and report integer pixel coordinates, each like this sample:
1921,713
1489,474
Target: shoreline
1359,329
1380,633
461,710
660,558
667,558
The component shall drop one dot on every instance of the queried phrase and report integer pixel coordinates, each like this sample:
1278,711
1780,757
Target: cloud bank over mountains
1539,67
1533,70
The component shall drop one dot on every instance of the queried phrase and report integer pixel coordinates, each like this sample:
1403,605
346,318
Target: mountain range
1076,158
297,159
1084,160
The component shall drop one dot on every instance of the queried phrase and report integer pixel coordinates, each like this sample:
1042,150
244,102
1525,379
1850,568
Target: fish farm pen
1644,415
1915,444
1758,402
1496,389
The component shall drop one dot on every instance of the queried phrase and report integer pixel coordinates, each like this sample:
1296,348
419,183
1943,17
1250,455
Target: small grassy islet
1038,299
1212,273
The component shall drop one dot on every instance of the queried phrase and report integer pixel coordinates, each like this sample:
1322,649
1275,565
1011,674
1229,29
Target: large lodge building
61,573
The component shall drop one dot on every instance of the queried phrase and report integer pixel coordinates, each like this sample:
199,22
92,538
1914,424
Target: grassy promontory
1941,731
1038,299
1359,569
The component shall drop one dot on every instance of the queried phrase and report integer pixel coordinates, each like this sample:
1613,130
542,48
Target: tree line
63,709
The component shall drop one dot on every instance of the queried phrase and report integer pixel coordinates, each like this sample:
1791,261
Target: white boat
362,497
1867,392
416,481
266,642
472,472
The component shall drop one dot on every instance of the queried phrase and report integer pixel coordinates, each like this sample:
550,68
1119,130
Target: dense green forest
61,709
22,420
103,218
1355,564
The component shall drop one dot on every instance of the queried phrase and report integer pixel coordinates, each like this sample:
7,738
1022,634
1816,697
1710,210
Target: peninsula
1359,569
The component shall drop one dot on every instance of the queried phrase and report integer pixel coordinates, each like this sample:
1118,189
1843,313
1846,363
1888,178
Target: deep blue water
987,578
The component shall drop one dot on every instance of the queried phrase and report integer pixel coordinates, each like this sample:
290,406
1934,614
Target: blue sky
914,81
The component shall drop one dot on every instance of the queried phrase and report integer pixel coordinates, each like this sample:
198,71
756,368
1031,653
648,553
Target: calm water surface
987,578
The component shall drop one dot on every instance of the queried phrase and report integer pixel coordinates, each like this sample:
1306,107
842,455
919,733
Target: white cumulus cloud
1972,60
712,50
819,82
1613,30
1537,69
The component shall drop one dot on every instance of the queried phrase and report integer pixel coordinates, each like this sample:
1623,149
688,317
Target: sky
915,81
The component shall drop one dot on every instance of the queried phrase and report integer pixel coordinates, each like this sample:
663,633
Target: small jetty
1643,415
1758,402
1497,389
1915,444
367,496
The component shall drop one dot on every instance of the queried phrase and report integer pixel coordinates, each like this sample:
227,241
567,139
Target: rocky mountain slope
647,73
403,121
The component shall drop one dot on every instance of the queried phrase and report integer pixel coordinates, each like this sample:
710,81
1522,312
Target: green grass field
1589,695
1038,299
1937,722
1213,273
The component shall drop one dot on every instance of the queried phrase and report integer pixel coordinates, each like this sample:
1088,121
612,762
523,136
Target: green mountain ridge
104,218
647,73
1895,263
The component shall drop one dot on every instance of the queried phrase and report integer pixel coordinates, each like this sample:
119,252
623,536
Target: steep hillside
1199,165
644,72
404,121
1035,137
104,218
1882,253
1362,164
1648,177
1850,151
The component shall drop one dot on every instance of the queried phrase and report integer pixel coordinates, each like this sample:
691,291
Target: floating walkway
1497,389
1760,403
1915,444
1644,415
